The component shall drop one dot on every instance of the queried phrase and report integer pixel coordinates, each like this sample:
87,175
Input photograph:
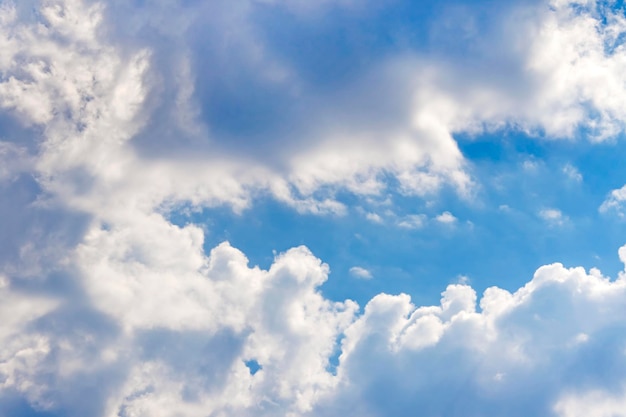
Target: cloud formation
520,353
181,345
109,309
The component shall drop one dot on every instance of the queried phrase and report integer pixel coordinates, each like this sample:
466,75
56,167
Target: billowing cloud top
117,116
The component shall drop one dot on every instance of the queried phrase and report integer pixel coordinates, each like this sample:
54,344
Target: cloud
455,358
594,404
566,59
464,279
614,201
553,217
374,217
164,123
560,334
110,309
572,173
412,221
446,218
333,141
585,76
530,165
178,342
361,273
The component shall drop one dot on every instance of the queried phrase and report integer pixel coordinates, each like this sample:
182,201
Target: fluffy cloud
181,346
566,58
161,344
446,218
194,360
111,110
518,354
108,309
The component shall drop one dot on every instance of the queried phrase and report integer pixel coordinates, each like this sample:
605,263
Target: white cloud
420,152
572,173
614,201
281,321
412,221
187,325
191,364
106,119
129,316
553,216
567,60
359,272
580,62
530,165
518,339
592,404
374,217
22,351
446,218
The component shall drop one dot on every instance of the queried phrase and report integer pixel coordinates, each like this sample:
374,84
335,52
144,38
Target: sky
369,208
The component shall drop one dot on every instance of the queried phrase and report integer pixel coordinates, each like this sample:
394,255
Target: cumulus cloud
181,348
446,218
108,309
520,353
283,323
580,60
179,345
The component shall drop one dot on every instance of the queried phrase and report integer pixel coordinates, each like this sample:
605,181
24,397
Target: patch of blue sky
17,406
536,202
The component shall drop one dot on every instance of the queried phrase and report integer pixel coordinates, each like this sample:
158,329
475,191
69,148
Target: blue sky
312,209
498,238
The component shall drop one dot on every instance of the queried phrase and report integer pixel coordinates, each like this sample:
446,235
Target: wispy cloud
359,272
412,221
614,202
553,216
572,173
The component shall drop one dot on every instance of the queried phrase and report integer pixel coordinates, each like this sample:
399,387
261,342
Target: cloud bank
172,337
109,309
